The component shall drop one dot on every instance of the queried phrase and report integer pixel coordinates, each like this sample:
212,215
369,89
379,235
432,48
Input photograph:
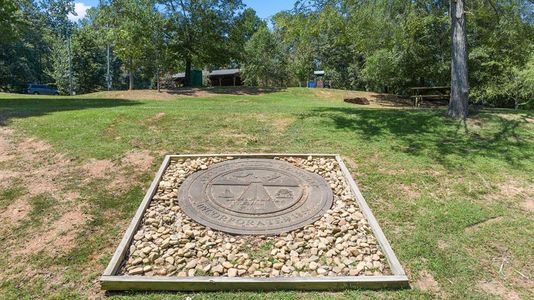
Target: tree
266,60
89,61
58,11
458,104
132,31
199,31
25,39
242,29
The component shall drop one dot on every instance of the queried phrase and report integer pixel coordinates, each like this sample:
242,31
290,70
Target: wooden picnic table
430,93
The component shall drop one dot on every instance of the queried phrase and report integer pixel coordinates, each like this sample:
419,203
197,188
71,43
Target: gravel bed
169,243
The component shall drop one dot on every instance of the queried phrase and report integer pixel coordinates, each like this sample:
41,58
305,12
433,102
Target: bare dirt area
497,289
59,237
16,211
98,168
140,160
172,94
47,215
521,193
426,282
375,99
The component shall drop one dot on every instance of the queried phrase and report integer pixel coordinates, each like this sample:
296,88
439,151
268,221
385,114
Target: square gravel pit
341,247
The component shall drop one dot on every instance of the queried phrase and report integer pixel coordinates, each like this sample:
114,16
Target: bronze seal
255,196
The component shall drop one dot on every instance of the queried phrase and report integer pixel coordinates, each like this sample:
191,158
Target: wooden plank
431,96
118,283
266,155
120,253
394,263
430,88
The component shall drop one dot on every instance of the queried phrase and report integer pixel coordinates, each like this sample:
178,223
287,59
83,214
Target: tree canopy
378,45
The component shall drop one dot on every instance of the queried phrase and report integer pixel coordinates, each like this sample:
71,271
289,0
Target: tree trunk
158,82
130,76
458,104
131,80
188,72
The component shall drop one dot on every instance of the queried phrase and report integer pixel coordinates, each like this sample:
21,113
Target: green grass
12,192
431,182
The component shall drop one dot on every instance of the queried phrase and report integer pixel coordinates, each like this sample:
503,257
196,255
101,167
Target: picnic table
430,93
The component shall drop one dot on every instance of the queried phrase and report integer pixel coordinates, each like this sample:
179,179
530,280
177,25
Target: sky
264,8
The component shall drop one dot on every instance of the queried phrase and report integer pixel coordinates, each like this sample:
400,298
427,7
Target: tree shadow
429,133
29,107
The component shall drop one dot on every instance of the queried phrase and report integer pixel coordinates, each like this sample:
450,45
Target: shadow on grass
30,107
430,133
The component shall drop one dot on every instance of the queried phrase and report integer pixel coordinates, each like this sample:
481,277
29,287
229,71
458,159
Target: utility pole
70,67
108,75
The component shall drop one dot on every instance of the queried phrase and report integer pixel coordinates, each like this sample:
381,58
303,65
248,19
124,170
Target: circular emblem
255,196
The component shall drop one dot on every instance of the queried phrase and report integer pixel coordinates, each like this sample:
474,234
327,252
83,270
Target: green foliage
525,84
89,62
24,40
265,63
134,30
61,68
391,46
11,17
501,42
207,32
381,71
378,45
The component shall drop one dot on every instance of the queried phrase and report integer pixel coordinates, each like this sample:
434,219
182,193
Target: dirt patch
140,160
173,94
521,192
59,235
357,100
35,145
152,121
158,116
474,122
5,146
392,171
98,168
47,178
236,137
15,212
442,245
528,205
426,282
375,99
498,289
411,191
6,176
281,124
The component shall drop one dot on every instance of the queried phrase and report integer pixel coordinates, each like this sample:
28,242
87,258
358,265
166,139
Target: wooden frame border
113,282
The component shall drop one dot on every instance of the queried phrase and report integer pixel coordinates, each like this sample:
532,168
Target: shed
225,77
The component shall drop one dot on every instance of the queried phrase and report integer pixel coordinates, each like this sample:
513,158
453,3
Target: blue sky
264,8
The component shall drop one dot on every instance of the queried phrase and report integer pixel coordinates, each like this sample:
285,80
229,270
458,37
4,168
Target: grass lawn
455,199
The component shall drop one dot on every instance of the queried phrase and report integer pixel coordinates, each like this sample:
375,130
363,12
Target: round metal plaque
255,196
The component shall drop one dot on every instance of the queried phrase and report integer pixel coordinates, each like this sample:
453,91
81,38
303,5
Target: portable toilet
196,77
